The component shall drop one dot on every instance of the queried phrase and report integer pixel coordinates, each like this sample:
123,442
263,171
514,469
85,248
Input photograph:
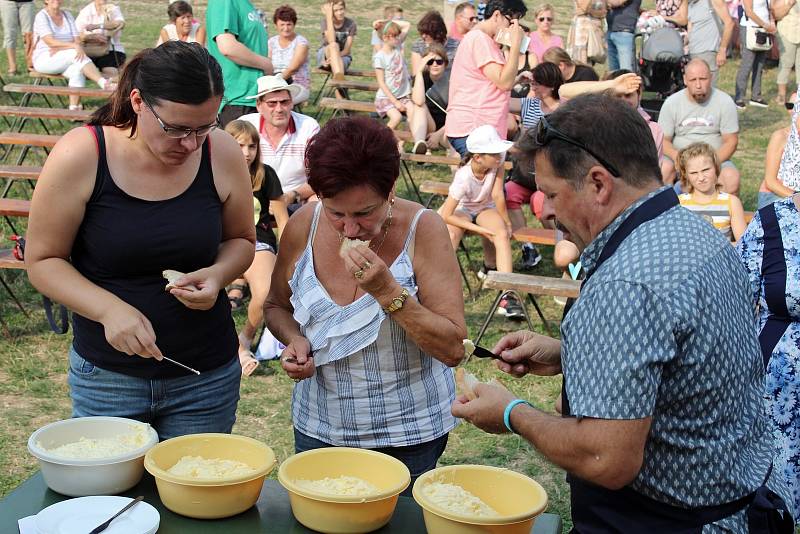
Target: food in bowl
97,448
516,499
456,499
343,485
199,467
210,497
343,514
92,459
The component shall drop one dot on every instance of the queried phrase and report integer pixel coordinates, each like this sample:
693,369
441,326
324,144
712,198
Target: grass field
33,389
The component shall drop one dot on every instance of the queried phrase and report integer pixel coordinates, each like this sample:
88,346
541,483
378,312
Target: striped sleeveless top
717,212
373,386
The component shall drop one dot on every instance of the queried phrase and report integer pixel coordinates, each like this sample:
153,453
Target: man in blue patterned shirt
663,427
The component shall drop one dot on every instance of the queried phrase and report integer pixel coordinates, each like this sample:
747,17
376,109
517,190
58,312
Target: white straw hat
272,84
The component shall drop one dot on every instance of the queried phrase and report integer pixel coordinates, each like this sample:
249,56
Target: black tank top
123,245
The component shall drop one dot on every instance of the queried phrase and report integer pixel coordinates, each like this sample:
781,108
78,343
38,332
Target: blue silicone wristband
507,413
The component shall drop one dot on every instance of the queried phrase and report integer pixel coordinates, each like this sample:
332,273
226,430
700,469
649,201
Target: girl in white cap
476,203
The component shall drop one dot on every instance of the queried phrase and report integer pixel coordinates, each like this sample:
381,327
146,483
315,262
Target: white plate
85,513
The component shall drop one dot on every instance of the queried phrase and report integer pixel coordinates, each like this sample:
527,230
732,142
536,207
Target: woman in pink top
543,38
481,78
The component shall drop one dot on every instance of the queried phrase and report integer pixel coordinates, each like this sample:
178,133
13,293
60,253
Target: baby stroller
660,64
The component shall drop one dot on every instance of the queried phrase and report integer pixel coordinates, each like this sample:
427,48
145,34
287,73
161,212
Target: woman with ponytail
149,185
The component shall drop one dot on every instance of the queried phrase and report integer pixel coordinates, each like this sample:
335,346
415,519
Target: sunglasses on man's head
437,60
546,133
548,19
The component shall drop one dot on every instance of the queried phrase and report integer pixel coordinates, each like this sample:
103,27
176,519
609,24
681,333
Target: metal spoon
102,527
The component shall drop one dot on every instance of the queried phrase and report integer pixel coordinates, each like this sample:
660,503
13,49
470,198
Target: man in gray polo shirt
700,113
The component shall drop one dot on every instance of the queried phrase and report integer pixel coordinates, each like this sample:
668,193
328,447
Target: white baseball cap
272,84
485,140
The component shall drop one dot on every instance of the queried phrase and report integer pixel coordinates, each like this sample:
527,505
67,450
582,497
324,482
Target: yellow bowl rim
290,486
465,518
158,473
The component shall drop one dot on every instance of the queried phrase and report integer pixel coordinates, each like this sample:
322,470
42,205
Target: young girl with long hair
267,194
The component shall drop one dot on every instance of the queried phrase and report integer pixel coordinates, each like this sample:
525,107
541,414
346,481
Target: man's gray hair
607,126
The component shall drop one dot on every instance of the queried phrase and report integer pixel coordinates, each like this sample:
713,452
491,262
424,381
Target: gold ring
367,265
359,274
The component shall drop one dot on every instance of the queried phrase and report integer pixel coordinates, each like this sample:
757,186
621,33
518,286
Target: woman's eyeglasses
181,132
547,133
437,60
548,19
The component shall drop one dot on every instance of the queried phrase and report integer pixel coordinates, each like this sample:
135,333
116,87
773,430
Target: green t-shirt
240,18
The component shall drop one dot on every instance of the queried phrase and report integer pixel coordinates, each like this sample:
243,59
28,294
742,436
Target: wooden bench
530,285
26,141
46,113
339,104
351,72
8,261
536,236
14,207
20,172
28,90
356,85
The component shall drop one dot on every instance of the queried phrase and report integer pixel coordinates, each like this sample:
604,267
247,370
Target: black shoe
511,308
759,103
740,104
530,257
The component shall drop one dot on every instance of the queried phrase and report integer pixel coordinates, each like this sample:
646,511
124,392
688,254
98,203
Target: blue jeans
620,50
173,406
418,458
459,144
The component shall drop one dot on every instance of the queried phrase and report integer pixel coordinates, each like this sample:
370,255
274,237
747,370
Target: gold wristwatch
397,302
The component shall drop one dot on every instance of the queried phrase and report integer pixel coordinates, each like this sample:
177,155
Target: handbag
757,39
596,50
95,49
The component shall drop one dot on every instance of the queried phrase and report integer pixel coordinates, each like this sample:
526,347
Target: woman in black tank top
149,185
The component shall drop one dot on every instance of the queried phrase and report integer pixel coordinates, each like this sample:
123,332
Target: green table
271,514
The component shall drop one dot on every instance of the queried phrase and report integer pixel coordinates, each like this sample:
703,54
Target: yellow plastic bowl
341,514
517,498
209,498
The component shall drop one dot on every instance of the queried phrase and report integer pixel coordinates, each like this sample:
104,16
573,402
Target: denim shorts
459,144
418,458
173,406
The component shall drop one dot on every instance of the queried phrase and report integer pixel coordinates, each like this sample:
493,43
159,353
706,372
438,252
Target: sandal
237,301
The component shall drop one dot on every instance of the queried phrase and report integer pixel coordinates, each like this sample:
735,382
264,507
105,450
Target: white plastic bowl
100,476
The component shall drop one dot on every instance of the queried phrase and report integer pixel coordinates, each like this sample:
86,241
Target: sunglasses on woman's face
547,133
437,60
548,19
789,105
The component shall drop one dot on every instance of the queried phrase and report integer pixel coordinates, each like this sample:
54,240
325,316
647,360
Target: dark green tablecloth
271,514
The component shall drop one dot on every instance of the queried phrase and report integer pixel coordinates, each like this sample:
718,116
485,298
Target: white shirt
761,10
43,25
287,158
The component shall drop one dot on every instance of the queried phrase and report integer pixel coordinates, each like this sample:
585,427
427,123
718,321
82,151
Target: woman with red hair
364,298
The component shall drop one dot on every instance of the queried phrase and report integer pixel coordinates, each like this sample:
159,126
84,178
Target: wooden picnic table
57,90
272,513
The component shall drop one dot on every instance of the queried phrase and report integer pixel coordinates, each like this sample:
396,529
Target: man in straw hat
284,134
